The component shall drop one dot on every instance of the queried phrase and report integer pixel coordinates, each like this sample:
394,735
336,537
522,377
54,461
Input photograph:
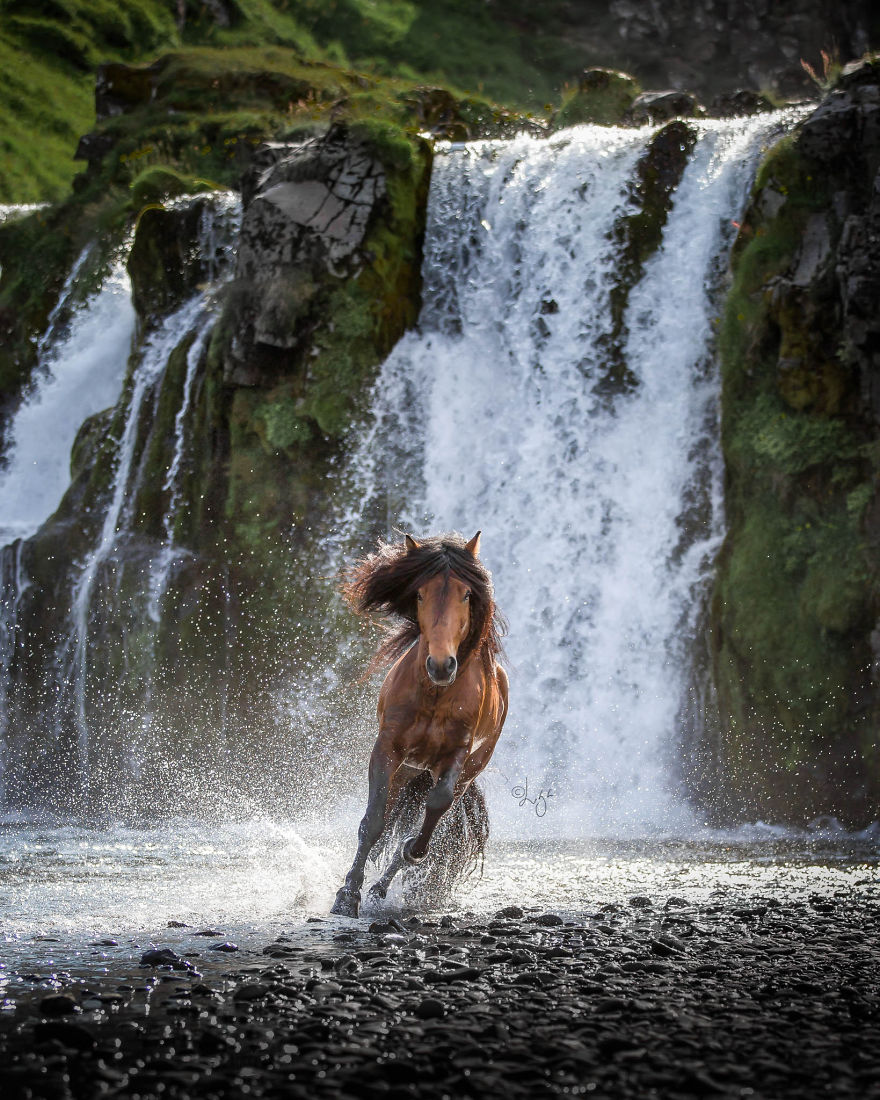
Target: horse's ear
473,547
411,543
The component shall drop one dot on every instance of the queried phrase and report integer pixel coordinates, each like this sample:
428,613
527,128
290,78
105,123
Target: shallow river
64,889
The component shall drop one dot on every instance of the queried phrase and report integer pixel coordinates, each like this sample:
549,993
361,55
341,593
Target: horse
443,703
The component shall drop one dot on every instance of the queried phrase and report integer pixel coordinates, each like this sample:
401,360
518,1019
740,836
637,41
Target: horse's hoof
346,904
377,890
408,856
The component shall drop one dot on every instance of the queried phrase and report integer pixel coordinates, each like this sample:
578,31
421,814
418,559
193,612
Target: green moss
386,140
602,96
796,593
36,254
159,182
285,426
769,435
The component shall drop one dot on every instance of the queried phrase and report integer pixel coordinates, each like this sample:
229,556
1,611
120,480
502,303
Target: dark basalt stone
59,1004
743,101
662,107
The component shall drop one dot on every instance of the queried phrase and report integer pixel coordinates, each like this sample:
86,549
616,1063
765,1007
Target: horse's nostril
441,671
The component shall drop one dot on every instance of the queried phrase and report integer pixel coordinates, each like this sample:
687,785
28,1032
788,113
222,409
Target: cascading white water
80,373
153,362
169,553
600,512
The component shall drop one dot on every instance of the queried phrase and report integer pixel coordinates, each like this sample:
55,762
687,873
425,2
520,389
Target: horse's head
444,617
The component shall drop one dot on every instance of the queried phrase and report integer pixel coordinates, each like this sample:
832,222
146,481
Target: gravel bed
749,996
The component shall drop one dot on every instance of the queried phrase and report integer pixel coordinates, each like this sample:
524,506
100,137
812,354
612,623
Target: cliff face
181,608
794,640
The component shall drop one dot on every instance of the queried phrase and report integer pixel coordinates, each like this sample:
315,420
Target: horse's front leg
442,795
383,765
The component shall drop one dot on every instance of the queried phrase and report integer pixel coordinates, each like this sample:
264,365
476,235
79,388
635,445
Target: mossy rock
164,266
601,96
159,183
797,590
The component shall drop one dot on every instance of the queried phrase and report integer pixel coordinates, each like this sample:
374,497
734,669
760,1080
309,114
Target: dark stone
164,265
653,107
164,956
70,1035
831,130
121,88
383,927
462,973
429,1009
94,147
58,1004
744,101
226,946
250,991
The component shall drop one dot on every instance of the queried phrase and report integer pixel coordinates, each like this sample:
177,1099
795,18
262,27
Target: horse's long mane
387,581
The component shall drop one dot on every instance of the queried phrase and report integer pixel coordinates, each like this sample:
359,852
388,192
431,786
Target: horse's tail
458,846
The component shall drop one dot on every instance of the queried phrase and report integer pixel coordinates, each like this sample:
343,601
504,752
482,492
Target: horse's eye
419,597
467,595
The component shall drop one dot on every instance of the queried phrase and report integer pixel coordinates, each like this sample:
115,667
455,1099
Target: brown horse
444,701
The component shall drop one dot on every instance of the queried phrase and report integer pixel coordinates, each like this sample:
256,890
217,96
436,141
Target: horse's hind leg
380,887
382,768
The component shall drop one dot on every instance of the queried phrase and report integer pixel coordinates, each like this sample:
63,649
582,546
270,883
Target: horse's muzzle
442,673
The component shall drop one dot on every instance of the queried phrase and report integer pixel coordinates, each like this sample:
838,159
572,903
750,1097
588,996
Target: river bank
759,982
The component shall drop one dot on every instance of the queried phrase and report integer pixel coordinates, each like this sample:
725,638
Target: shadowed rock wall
795,646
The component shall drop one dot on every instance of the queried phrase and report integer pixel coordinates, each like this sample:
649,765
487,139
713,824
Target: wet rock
225,946
456,974
662,107
164,956
383,927
667,945
164,263
601,96
549,920
70,1035
58,1004
429,1008
250,991
744,101
640,901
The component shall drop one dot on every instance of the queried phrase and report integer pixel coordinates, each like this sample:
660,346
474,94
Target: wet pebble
429,1008
657,1004
58,1004
164,956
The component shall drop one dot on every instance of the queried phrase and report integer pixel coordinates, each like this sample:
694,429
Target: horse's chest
434,734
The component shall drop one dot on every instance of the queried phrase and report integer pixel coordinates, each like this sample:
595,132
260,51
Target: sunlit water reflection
64,889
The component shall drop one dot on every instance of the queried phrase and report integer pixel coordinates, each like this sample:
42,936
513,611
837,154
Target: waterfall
599,500
79,373
192,320
87,687
153,362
